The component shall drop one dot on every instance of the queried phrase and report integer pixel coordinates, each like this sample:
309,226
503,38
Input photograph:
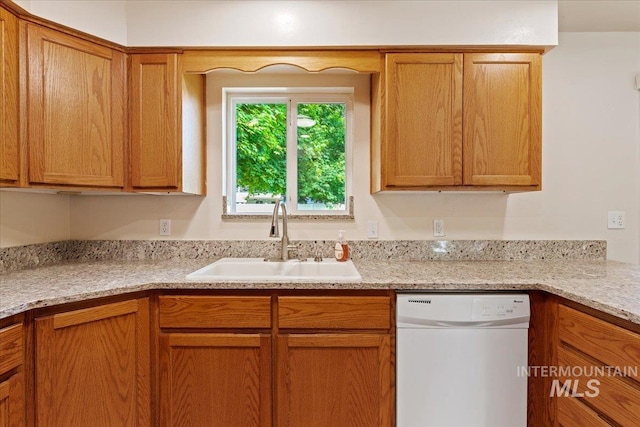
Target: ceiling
598,15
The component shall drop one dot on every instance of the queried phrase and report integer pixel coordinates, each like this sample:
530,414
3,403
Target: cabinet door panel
334,380
423,119
215,380
92,366
12,401
75,111
9,142
502,119
155,113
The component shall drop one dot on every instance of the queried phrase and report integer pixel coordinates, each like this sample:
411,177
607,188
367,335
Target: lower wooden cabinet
12,395
92,366
334,380
210,379
322,361
598,366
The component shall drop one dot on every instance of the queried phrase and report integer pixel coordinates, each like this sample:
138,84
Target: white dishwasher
461,360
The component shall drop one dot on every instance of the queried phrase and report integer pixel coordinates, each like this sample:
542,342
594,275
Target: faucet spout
274,231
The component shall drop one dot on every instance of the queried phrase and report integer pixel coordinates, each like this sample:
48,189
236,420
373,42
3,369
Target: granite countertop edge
607,286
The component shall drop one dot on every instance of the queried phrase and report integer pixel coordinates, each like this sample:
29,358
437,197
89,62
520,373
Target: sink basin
257,269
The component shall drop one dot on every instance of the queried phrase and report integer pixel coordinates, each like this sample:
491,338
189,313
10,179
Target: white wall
262,23
27,218
102,18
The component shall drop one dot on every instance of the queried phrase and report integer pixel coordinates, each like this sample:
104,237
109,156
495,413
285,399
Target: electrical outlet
372,229
616,220
438,228
165,227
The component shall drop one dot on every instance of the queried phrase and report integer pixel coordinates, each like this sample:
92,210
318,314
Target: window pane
321,156
261,155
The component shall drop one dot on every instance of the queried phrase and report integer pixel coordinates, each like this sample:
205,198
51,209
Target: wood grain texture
155,117
610,344
215,311
334,312
334,380
76,103
9,100
215,380
423,120
502,119
94,372
12,401
617,399
572,412
199,61
543,332
11,348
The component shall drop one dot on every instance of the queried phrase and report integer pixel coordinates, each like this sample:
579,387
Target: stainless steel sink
257,269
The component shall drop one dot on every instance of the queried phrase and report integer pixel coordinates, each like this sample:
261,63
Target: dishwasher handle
416,322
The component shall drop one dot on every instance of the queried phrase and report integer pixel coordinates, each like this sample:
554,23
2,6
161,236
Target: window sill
311,217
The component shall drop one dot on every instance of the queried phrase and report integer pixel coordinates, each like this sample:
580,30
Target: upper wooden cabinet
76,111
166,125
422,145
9,97
502,119
426,137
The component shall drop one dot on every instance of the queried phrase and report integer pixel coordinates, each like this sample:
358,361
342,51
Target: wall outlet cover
616,220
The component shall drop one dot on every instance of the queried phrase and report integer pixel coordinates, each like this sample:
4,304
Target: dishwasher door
461,359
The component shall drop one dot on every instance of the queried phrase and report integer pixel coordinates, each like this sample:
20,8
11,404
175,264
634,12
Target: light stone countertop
608,286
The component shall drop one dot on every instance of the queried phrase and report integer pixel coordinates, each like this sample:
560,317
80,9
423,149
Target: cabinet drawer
608,343
215,312
334,312
10,348
617,398
572,412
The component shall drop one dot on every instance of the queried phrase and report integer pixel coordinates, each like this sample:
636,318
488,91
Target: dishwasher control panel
499,308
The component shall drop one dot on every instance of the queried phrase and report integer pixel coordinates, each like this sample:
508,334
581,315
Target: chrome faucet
285,247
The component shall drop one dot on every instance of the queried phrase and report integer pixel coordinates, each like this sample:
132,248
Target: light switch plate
372,229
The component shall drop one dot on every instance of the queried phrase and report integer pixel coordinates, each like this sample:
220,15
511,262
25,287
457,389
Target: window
288,143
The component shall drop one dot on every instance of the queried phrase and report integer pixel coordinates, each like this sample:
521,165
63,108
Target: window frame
232,96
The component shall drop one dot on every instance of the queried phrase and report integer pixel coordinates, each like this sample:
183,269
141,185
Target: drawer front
617,398
10,348
215,312
610,344
572,412
351,312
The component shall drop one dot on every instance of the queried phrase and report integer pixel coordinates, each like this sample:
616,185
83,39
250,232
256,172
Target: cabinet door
76,103
423,144
92,366
334,380
12,401
502,119
9,119
155,112
215,380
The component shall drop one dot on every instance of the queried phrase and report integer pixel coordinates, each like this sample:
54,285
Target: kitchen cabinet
166,125
457,121
76,105
334,361
423,119
502,119
92,366
596,398
219,372
330,361
9,100
12,396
